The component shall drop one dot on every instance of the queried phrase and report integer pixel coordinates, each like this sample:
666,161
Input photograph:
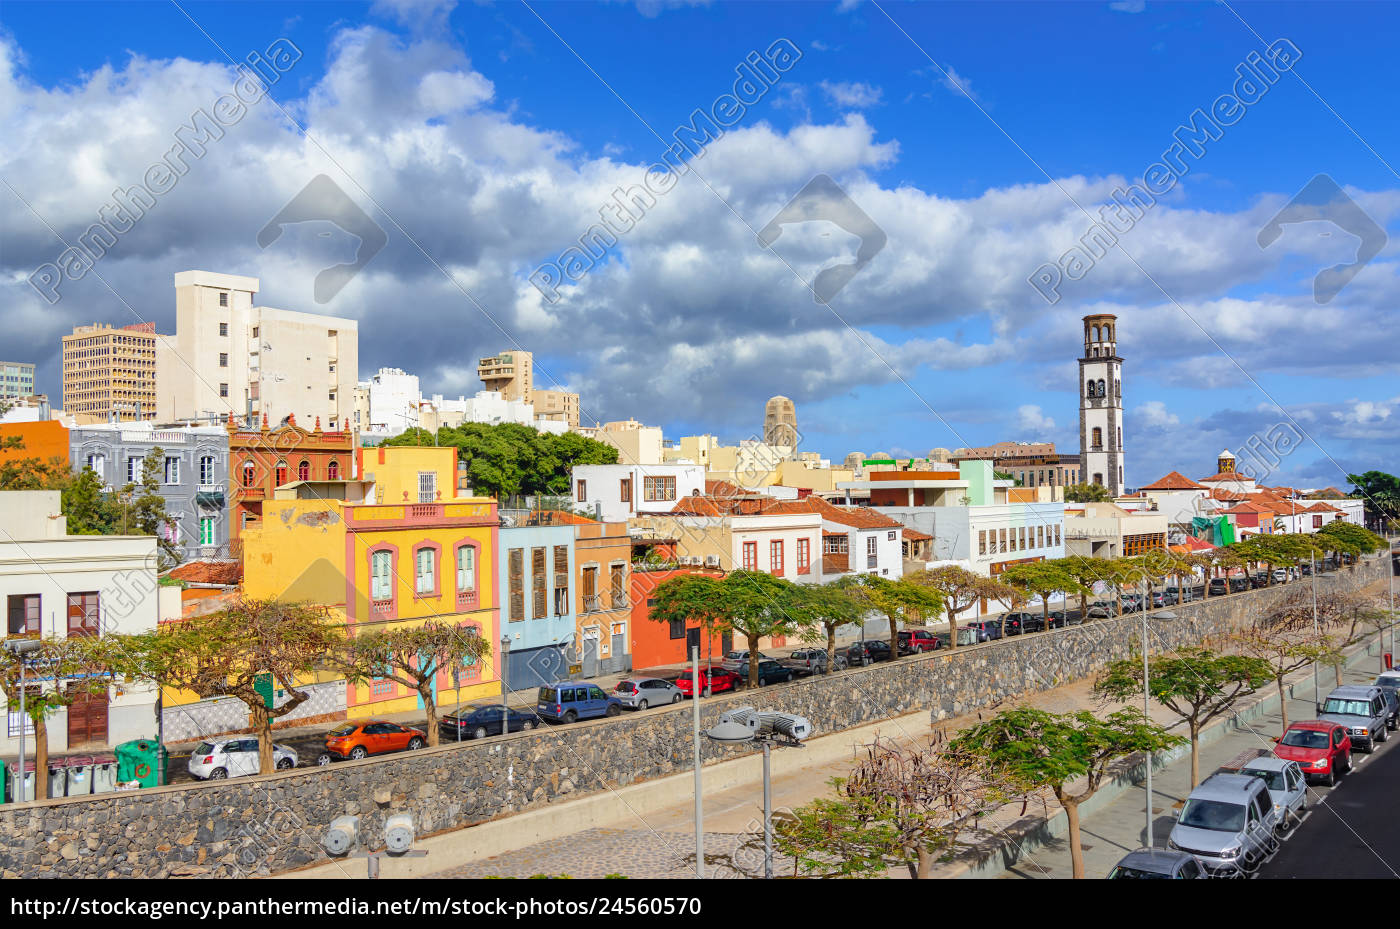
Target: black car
1256,581
770,671
1218,587
870,650
1017,623
477,722
1057,619
1238,584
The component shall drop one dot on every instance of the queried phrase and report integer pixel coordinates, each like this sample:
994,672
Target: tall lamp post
21,649
1146,594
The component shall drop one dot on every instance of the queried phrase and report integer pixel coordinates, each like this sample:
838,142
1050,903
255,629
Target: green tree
1034,749
750,603
1041,579
88,509
66,668
959,589
245,651
1087,493
1381,491
507,459
830,606
139,508
1195,683
1339,537
412,656
898,601
1288,640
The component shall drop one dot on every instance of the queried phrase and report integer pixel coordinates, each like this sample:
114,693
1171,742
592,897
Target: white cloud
852,95
1154,414
1033,423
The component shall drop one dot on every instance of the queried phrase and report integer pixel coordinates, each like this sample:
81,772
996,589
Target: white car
215,761
1288,788
1280,576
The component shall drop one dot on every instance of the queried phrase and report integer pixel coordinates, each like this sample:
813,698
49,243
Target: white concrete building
616,493
393,402
230,356
59,585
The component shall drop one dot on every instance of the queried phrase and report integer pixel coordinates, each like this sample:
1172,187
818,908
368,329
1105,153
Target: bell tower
1101,405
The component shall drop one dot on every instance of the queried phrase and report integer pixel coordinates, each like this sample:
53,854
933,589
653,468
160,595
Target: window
750,559
1317,522
625,490
333,470
539,583
206,530
582,490
380,565
223,301
516,570
1013,539
775,556
590,588
1024,546
561,580
1097,438
1120,439
981,541
206,469
617,578
425,574
133,470
1039,536
872,549
836,545
249,474
304,470
98,463
223,327
427,486
172,470
1057,535
223,359
804,556
23,614
83,614
1002,543
658,488
223,390
466,568
281,473
255,332
677,628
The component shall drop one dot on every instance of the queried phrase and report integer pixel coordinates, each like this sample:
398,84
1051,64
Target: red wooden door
87,719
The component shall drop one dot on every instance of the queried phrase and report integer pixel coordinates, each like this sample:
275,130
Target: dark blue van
570,701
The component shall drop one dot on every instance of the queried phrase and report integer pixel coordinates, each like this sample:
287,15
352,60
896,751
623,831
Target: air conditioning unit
712,561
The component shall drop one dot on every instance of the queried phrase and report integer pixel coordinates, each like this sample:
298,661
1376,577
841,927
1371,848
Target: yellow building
389,564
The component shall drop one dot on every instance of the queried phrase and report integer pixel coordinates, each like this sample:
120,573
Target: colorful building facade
261,460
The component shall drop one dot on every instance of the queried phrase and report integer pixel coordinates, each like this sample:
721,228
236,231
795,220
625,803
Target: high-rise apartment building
110,373
780,423
16,379
510,374
557,406
230,356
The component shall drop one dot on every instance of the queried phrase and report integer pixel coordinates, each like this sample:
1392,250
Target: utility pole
699,793
1150,842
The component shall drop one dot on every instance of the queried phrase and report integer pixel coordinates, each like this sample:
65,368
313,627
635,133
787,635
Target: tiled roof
858,516
1220,494
1223,476
724,489
1247,507
914,535
1322,508
227,573
1173,480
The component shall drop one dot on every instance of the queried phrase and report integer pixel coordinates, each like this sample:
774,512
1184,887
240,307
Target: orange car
371,737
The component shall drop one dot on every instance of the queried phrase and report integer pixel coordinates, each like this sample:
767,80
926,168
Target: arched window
1103,389
304,470
1095,332
281,473
333,470
1098,478
1097,440
1089,387
1120,439
249,474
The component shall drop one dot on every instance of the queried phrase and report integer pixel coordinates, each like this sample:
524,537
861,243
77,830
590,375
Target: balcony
209,495
466,600
592,603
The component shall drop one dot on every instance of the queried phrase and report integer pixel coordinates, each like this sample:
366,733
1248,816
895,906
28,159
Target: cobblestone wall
260,825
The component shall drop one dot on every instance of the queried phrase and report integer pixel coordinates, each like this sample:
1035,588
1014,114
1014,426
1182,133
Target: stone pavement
636,853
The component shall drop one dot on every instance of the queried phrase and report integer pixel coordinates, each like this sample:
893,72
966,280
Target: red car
1322,749
712,681
917,641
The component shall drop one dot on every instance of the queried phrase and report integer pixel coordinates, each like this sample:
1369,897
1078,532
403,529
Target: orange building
42,440
658,645
261,460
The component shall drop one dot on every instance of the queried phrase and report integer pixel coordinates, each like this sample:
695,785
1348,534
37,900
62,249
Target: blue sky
475,133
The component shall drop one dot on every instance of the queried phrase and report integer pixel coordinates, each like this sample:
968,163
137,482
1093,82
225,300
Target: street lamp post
21,648
505,688
699,796
1150,842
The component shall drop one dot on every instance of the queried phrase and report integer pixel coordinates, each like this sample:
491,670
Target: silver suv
1228,823
638,693
1363,709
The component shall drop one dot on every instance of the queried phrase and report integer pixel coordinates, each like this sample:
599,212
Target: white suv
235,758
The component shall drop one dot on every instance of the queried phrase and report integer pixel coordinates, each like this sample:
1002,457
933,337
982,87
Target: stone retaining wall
265,824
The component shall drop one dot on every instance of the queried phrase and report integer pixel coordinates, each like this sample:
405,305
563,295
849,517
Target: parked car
570,701
1390,681
809,661
987,630
1280,576
1321,749
733,658
370,737
1157,864
1363,709
916,641
712,681
477,722
1132,602
770,671
1219,587
1016,623
1306,569
1177,595
1057,619
1103,609
1228,823
638,693
222,758
1158,600
870,650
1258,580
1288,787
1238,584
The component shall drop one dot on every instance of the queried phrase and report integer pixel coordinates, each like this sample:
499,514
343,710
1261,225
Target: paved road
1353,830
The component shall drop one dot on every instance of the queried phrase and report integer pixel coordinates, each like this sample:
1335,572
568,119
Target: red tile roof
1223,476
227,573
914,535
1173,480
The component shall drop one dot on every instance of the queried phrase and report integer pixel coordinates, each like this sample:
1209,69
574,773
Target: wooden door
87,719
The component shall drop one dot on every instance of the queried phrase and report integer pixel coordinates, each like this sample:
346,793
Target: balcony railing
592,603
466,599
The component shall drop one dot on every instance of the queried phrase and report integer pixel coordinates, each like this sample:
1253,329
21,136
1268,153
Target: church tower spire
1101,404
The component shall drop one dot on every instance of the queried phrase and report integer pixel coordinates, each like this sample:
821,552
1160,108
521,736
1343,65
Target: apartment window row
777,556
304,472
835,545
24,614
1017,539
427,573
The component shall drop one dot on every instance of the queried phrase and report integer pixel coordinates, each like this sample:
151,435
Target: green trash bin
140,760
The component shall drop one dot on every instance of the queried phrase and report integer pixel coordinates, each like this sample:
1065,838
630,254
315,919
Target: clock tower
1101,405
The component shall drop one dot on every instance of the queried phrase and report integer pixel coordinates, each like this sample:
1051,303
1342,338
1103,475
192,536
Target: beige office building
512,375
230,356
110,372
557,406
